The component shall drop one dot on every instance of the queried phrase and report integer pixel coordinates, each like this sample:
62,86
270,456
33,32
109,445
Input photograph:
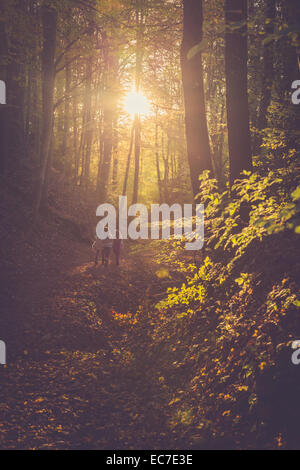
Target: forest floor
92,364
67,384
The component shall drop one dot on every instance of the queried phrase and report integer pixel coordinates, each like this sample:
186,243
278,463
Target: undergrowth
220,340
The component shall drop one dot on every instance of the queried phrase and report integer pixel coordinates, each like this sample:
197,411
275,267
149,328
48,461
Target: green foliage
190,293
218,333
271,210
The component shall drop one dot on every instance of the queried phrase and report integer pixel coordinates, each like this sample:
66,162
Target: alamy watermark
148,226
2,92
296,353
2,353
296,94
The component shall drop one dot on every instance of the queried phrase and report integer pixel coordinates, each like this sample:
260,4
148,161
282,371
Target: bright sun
136,103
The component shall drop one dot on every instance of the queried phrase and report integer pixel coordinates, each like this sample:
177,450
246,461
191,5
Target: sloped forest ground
68,383
108,359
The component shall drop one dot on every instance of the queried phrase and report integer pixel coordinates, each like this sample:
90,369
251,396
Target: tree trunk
128,161
49,169
107,154
157,161
101,151
198,148
49,19
108,117
290,53
16,78
236,55
115,156
36,140
4,113
89,126
75,138
137,154
81,150
28,106
165,158
268,68
140,26
66,136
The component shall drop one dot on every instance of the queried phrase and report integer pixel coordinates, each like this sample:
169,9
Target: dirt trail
67,386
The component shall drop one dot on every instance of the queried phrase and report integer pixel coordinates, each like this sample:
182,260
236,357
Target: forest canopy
97,86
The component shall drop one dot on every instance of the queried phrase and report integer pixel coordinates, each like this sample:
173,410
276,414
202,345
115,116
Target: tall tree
160,191
3,107
66,135
115,172
49,19
236,55
108,115
268,65
86,157
140,14
16,80
125,184
198,147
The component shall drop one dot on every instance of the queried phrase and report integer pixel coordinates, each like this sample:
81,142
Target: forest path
72,387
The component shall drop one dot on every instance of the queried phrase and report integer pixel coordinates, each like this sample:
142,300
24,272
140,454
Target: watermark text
2,353
184,223
296,353
2,92
296,94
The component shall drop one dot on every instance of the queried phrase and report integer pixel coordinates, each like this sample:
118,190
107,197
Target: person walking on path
106,250
117,247
105,247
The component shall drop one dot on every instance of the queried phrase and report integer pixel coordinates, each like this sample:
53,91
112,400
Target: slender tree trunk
36,117
115,156
140,18
291,68
109,109
81,150
89,125
75,138
49,169
137,154
4,113
198,148
268,68
290,54
107,154
16,79
124,192
157,161
236,55
85,144
217,145
66,134
33,136
165,158
49,18
100,161
31,84
28,105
